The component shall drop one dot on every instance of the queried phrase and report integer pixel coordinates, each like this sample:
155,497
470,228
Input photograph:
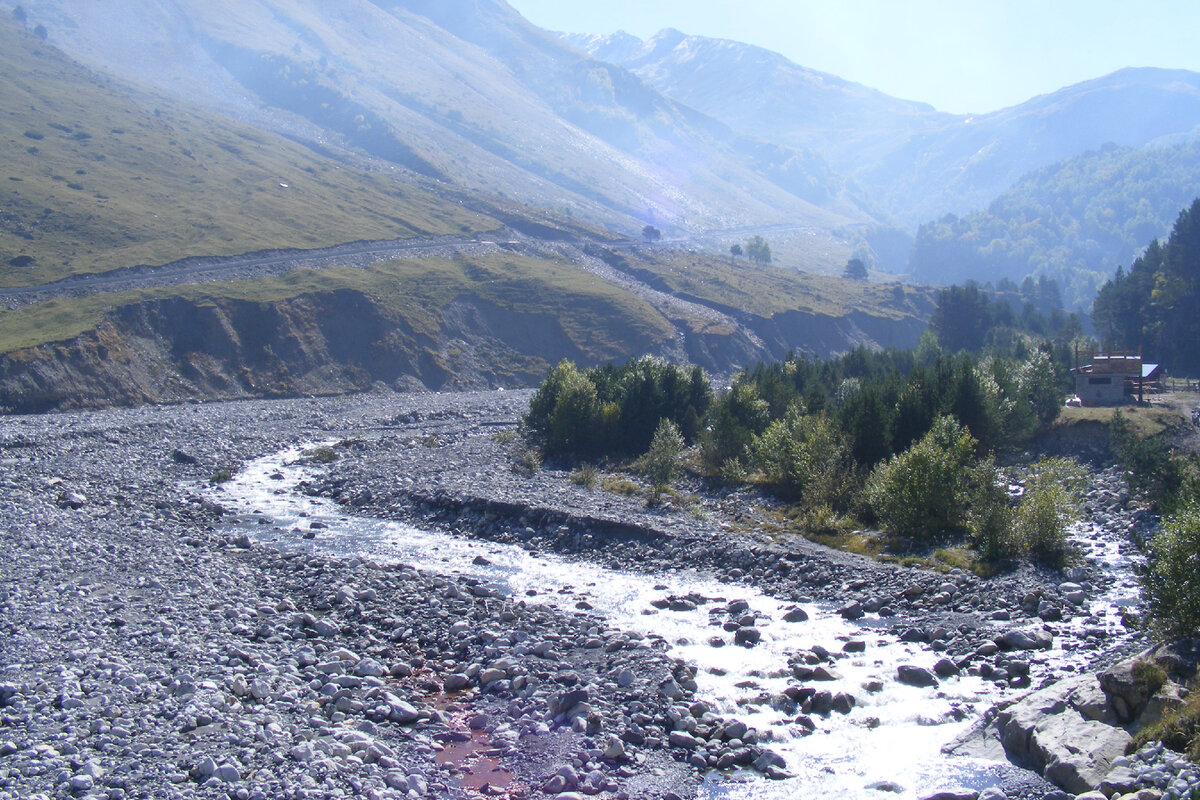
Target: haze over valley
401,401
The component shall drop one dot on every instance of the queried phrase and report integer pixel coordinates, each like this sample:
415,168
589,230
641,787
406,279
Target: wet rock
915,676
1031,639
852,611
747,637
945,668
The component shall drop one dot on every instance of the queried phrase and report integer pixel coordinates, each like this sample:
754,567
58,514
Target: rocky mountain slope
915,162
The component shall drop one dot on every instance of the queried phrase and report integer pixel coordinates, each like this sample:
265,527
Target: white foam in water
891,736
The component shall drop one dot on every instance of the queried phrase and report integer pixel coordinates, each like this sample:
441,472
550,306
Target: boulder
851,611
1047,732
1126,694
1030,639
915,676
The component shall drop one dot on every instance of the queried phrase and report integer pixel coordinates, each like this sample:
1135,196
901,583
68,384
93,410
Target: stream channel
888,745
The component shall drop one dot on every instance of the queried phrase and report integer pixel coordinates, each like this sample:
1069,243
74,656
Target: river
891,739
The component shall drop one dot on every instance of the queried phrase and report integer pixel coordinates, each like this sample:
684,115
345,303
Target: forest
1075,221
1154,306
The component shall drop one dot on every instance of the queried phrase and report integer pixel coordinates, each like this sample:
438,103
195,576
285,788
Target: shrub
615,410
565,411
320,455
732,472
619,485
223,475
586,476
1050,506
648,390
990,520
505,436
1148,464
1041,522
1179,729
803,457
1168,582
661,464
528,459
1148,675
924,490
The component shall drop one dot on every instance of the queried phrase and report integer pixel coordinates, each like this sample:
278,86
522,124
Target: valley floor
157,644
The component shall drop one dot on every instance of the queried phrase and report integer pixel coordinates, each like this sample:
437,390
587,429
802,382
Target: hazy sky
963,56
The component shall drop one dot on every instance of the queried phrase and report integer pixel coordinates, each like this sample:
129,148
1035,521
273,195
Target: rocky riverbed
160,641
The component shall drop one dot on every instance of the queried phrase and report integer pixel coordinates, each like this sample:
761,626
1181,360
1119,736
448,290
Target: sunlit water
890,740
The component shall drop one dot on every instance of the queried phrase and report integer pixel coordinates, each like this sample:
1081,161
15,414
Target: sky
960,56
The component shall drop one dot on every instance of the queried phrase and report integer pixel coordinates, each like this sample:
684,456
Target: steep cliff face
178,350
181,349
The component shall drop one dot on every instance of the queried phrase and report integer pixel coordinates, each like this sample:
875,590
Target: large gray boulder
1058,731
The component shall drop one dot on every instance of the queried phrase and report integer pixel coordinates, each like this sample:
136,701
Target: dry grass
1163,412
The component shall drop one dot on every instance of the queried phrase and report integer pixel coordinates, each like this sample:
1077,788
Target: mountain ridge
913,161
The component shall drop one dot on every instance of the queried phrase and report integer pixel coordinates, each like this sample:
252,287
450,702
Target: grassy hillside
765,291
95,177
602,320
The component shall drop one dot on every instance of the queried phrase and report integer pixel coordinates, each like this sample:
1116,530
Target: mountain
468,291
98,176
914,162
466,92
1076,221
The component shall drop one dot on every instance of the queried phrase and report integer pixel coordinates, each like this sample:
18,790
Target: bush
615,410
223,475
1050,506
736,419
505,436
648,390
565,411
586,476
661,464
1168,582
528,460
990,520
924,490
803,457
1041,522
1148,464
1179,730
320,455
